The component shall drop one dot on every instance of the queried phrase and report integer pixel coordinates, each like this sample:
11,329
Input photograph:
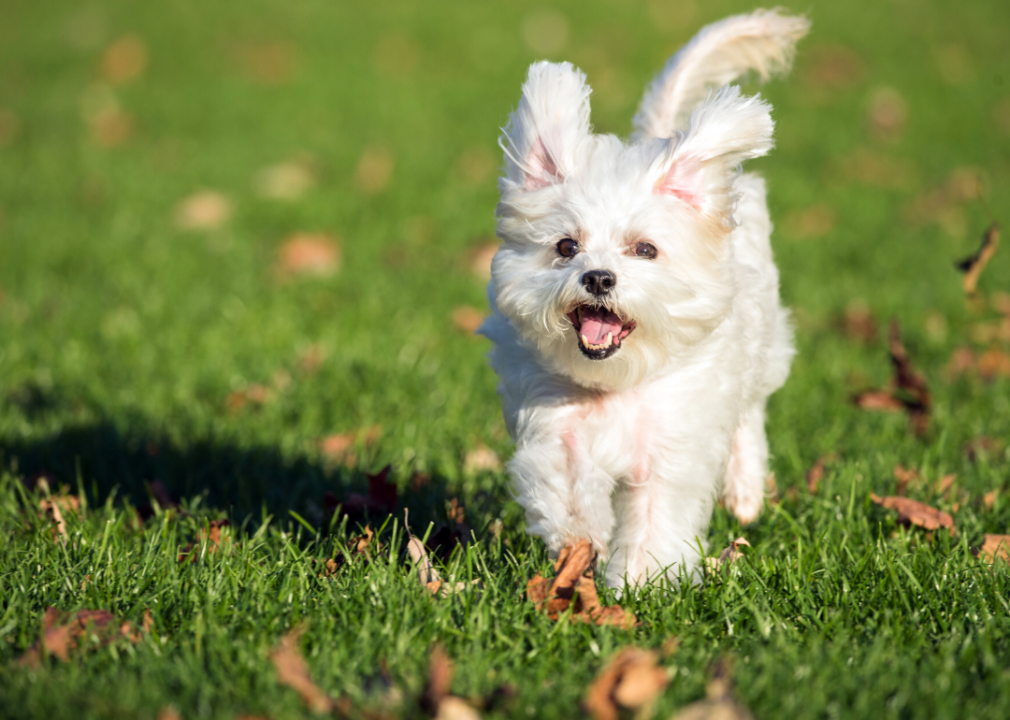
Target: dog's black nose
599,282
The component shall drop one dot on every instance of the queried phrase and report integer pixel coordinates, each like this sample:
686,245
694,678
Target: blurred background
243,246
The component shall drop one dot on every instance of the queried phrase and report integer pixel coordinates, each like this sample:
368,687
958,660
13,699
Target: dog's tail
763,41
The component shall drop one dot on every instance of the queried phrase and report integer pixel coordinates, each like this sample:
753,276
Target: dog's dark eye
568,248
646,250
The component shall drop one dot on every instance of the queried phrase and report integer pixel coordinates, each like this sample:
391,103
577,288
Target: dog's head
614,256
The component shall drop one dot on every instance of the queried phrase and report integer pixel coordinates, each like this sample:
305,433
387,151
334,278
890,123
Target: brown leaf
989,499
630,680
203,210
908,389
719,703
311,359
962,361
981,447
396,54
268,63
338,447
573,587
878,400
212,535
871,167
945,483
124,60
467,319
481,459
293,671
148,623
830,68
55,506
995,547
287,180
476,164
308,254
913,512
455,708
810,223
375,168
440,673
994,363
538,589
729,555
815,473
858,322
62,633
480,260
973,266
905,478
111,127
8,126
887,114
169,713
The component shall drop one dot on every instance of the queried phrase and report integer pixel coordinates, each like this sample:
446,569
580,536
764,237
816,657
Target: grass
122,337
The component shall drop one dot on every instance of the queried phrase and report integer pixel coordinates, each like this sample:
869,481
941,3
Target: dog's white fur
632,451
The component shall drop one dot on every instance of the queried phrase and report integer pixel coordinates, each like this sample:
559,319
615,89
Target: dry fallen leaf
203,210
995,547
574,587
718,703
293,671
124,60
55,506
169,713
993,363
481,459
374,170
815,473
973,266
729,555
858,321
268,63
338,447
480,260
64,632
982,447
908,389
630,680
110,127
285,181
214,537
467,319
435,700
905,477
913,512
810,223
830,68
8,126
887,113
315,254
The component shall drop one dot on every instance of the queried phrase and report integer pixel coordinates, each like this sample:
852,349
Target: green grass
122,336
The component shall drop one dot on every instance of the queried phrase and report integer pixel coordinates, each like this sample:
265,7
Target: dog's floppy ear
544,132
724,131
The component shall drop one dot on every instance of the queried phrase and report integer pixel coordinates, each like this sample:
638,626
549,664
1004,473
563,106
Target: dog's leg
566,496
744,486
661,527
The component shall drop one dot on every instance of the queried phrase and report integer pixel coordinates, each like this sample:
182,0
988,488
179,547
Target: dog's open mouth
600,330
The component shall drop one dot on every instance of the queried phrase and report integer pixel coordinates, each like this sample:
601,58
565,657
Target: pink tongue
597,322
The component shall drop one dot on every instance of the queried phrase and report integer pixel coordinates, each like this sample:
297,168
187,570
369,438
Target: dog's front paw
743,502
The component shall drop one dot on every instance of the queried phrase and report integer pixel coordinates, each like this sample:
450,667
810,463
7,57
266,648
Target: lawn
241,252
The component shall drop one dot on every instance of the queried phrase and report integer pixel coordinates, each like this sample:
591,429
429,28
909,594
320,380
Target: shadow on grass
247,482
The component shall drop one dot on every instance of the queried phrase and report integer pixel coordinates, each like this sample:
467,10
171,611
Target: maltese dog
636,319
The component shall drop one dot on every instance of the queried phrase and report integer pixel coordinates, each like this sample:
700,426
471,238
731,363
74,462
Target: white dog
635,308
